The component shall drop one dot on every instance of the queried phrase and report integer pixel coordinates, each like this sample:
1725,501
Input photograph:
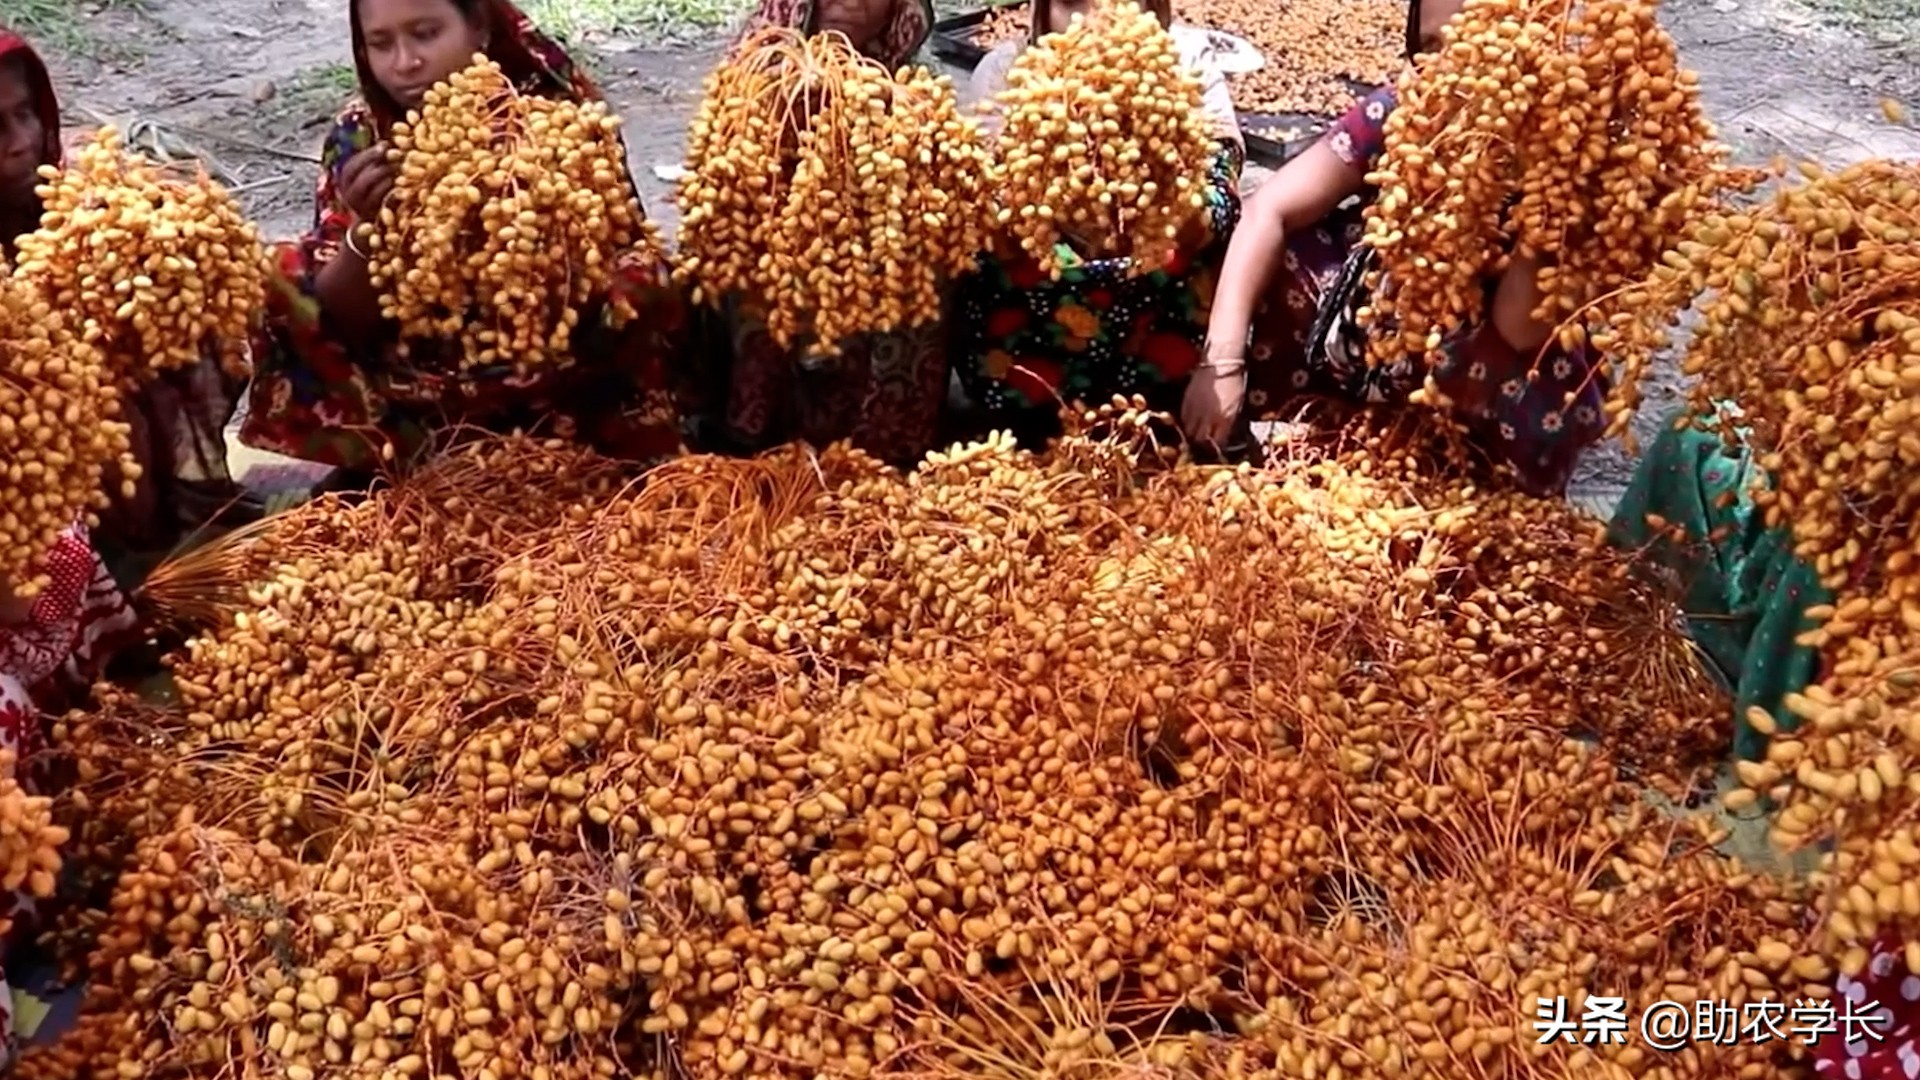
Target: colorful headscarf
529,58
14,47
909,24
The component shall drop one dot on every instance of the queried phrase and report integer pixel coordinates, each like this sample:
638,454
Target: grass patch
1889,22
319,90
334,82
580,22
947,9
64,26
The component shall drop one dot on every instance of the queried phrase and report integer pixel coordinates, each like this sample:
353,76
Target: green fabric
1745,593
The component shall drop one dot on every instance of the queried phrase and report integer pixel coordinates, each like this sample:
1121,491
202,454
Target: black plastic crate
953,37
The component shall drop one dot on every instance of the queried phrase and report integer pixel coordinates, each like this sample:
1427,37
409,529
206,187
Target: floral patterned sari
1025,345
1535,413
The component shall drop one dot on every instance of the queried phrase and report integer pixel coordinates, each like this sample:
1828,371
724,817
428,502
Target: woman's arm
345,291
989,78
1515,297
1305,190
1300,194
355,178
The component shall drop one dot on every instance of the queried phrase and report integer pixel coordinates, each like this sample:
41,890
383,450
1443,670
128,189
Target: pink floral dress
46,664
1884,1050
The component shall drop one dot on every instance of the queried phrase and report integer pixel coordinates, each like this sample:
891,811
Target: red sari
179,417
315,397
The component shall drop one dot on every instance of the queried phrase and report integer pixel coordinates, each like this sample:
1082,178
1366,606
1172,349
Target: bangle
348,243
1225,365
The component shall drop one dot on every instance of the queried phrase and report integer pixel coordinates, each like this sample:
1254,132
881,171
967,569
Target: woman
179,418
1525,402
890,31
745,393
1690,510
330,385
1025,345
52,649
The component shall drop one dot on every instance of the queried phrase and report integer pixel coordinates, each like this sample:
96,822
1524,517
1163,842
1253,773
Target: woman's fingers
1196,409
353,183
366,179
1211,406
379,186
357,166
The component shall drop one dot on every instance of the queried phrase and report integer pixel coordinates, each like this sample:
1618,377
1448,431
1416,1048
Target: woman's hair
469,9
25,65
1413,29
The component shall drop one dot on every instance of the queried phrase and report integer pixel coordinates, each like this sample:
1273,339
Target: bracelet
1225,365
348,243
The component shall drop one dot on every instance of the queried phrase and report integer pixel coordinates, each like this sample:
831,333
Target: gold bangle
348,243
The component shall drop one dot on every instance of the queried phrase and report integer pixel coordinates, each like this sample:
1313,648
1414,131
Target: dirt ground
249,85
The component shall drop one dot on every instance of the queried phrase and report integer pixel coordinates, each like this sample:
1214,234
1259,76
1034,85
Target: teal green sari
1744,591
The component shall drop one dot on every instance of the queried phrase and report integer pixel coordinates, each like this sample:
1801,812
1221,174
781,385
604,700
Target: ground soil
249,86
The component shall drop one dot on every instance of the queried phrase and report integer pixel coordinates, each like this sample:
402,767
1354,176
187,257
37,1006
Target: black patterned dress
1024,345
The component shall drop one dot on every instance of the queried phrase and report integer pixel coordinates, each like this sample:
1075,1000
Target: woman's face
22,138
412,44
863,21
1061,12
1434,17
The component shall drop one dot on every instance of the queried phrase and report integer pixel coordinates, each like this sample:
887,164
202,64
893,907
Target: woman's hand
365,182
1211,407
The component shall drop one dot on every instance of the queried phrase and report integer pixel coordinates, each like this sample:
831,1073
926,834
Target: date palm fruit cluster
1005,22
154,270
1559,129
29,840
1808,320
1313,50
508,216
1103,146
830,196
60,432
1013,765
